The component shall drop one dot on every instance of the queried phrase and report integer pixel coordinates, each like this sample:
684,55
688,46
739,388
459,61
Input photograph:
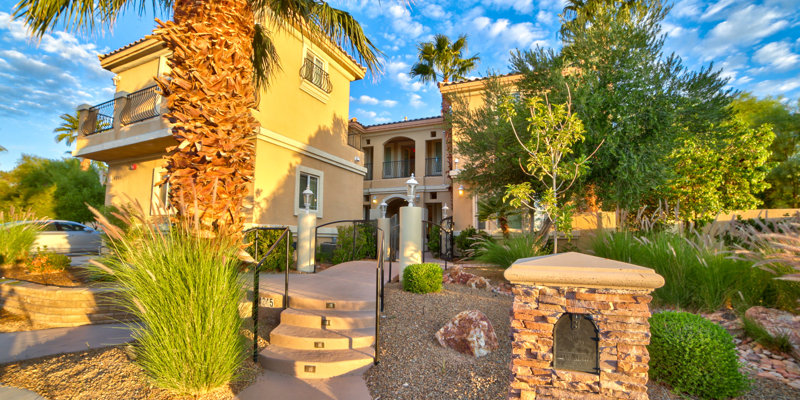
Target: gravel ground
414,365
110,374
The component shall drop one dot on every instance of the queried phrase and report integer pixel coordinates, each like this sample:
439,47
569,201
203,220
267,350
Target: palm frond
424,71
68,130
42,16
265,57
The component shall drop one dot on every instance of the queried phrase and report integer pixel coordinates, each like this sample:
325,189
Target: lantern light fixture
307,194
411,183
383,206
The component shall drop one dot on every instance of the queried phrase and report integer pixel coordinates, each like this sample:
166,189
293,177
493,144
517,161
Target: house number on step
267,302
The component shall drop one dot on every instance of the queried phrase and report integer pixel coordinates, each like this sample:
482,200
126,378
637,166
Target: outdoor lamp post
307,198
412,187
383,206
444,211
460,190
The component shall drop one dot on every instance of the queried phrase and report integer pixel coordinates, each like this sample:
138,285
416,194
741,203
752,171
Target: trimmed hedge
422,278
695,356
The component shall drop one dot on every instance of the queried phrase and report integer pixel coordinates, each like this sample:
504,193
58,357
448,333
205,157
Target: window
160,196
314,70
309,181
309,178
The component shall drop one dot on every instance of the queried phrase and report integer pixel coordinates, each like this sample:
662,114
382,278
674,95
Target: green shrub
17,239
183,290
422,278
695,356
467,239
506,252
365,245
435,240
698,274
48,261
277,260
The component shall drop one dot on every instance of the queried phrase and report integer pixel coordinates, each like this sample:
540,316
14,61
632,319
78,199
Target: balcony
315,74
368,177
398,169
124,127
354,140
433,166
135,107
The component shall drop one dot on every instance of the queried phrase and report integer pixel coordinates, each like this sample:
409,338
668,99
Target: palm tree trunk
209,95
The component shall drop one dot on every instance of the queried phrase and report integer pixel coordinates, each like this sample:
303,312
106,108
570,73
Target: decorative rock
479,282
778,323
470,332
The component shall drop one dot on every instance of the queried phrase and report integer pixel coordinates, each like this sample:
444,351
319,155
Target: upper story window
314,70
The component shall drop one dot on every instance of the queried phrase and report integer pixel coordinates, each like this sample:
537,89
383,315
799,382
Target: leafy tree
720,173
221,51
555,130
784,177
626,93
58,189
443,60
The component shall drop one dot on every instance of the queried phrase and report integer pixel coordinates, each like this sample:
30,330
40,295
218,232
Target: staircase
320,338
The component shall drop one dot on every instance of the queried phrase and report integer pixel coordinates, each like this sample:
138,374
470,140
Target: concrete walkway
351,286
16,346
12,393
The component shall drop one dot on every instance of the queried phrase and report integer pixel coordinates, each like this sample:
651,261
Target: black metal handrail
448,256
398,169
368,177
433,166
102,116
142,104
256,295
379,281
315,74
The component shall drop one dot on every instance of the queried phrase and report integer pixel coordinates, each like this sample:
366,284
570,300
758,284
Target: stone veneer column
616,297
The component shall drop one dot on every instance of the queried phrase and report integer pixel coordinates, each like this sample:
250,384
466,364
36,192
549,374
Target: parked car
68,237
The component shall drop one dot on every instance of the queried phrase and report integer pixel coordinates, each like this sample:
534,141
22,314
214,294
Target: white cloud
744,27
686,9
408,83
403,23
434,11
777,55
415,100
364,99
522,35
715,8
393,67
776,87
389,103
544,17
520,6
381,120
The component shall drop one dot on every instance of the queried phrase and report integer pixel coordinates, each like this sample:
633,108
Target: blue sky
756,43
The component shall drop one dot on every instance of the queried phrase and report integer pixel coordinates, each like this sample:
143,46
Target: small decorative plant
422,278
17,238
694,356
45,261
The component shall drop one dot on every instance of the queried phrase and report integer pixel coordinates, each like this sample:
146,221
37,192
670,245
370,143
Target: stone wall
621,317
59,306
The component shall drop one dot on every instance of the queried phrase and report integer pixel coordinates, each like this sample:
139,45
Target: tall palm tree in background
443,60
495,208
222,53
68,132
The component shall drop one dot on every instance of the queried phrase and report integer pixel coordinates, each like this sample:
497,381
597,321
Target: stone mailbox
579,327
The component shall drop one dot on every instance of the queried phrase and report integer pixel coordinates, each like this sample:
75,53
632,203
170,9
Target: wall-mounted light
460,190
357,159
374,199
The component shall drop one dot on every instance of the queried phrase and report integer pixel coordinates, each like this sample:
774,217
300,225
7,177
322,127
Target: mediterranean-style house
305,139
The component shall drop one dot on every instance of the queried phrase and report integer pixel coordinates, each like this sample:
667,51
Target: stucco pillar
410,237
120,106
305,242
384,225
83,119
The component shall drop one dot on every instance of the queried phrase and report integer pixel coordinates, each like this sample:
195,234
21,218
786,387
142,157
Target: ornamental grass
183,288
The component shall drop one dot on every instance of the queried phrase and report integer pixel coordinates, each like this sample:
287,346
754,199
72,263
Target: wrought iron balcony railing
368,177
433,166
315,74
398,169
142,104
137,106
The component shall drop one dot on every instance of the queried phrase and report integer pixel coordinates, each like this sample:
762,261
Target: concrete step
302,338
334,320
310,364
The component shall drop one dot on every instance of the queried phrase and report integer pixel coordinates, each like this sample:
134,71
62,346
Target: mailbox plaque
575,344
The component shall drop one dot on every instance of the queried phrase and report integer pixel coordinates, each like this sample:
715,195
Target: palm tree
443,60
68,130
494,207
2,149
222,53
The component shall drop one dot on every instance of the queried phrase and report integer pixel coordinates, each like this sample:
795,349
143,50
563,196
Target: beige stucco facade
303,117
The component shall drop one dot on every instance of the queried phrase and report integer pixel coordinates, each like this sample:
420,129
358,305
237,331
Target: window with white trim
313,179
160,194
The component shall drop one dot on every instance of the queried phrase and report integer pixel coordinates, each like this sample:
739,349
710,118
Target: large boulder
778,323
470,332
457,275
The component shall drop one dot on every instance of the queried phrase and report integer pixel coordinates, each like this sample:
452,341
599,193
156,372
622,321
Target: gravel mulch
69,277
413,364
